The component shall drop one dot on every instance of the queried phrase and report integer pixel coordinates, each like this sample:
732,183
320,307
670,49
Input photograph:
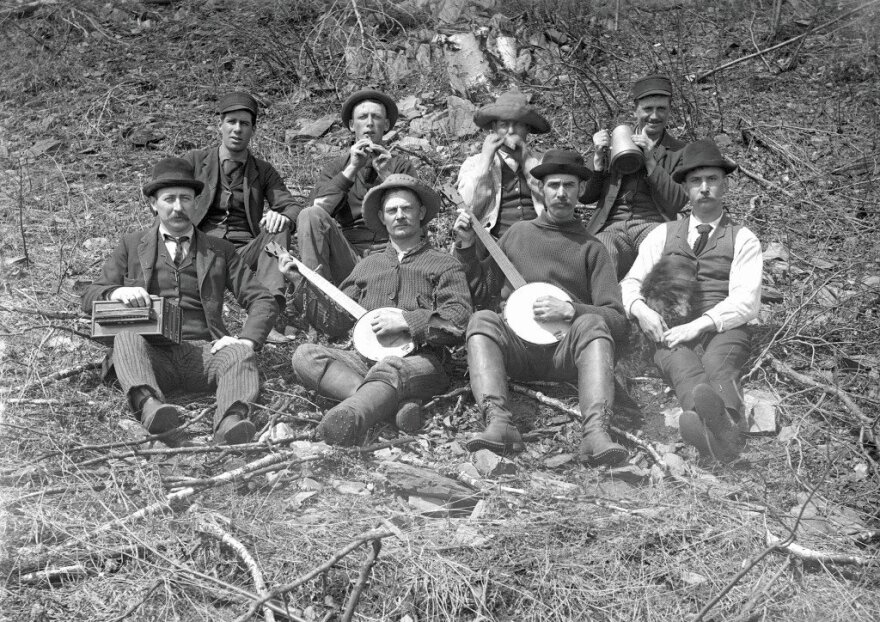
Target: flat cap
238,100
651,85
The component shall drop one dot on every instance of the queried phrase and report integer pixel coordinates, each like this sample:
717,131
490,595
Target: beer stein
626,157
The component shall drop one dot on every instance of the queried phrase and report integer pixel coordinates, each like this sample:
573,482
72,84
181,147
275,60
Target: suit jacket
262,184
218,267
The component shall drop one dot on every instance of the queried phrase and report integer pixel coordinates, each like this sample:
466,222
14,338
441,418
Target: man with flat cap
497,184
703,359
174,259
238,188
424,300
553,248
628,206
332,234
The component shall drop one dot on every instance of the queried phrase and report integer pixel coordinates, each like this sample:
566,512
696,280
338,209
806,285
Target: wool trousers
622,239
716,359
251,251
187,366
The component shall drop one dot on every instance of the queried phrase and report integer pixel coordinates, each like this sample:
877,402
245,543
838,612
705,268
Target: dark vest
516,200
713,264
227,211
183,284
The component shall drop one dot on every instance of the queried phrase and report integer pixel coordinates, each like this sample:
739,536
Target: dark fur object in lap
670,289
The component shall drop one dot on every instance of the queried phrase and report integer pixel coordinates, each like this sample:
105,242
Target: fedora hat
373,199
562,161
651,85
699,154
172,172
369,94
512,106
238,100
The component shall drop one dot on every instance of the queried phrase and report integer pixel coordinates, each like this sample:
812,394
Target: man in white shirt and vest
703,358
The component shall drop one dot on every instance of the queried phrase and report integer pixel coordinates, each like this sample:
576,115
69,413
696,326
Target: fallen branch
52,315
815,556
66,373
447,396
283,589
355,595
213,529
560,405
742,59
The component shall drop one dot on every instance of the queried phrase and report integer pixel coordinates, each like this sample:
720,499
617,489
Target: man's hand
552,309
131,296
381,159
650,321
491,144
287,265
463,230
227,340
644,143
601,144
273,222
678,335
388,322
360,155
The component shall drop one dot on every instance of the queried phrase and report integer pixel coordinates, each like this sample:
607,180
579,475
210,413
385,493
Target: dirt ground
99,523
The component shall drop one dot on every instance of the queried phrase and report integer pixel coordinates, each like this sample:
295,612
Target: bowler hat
373,199
562,161
651,85
172,172
369,94
699,154
238,100
512,106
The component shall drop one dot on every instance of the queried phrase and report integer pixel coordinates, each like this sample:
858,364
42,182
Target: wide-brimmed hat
373,200
238,100
562,161
172,172
369,94
699,154
512,106
651,85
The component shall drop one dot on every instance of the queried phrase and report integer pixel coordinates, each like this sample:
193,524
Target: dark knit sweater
427,284
564,255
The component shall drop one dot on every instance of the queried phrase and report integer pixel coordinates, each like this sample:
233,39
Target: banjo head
370,346
520,317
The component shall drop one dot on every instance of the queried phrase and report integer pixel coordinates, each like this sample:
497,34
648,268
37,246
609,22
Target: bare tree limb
815,556
355,595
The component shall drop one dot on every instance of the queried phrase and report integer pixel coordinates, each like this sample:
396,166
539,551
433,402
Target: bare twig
355,595
815,556
52,315
213,529
742,59
138,603
447,396
334,559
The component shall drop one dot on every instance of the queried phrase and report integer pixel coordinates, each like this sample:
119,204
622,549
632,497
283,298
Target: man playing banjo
422,295
554,248
629,206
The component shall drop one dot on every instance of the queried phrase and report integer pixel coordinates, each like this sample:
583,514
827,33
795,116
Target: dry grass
576,546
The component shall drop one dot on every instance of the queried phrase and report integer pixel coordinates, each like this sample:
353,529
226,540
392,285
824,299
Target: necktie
178,247
232,168
700,244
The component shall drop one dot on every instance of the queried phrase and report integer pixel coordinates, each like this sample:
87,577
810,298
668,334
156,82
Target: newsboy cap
238,100
651,85
357,97
398,181
172,172
562,161
512,106
700,154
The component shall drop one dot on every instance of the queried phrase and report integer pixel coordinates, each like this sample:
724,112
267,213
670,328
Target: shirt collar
694,222
163,232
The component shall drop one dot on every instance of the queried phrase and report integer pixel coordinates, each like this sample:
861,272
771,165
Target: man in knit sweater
497,184
630,205
703,359
175,259
552,248
424,296
332,235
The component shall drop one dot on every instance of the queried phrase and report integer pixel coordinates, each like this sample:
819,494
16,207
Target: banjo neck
510,272
328,288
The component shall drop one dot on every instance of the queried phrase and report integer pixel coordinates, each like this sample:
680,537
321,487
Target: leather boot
695,432
339,381
347,423
712,411
235,428
158,417
489,386
409,417
596,397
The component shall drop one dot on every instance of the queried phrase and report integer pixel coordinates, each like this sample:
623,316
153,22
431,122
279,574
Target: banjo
518,310
366,342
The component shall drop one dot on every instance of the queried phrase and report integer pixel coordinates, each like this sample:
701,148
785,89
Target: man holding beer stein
632,186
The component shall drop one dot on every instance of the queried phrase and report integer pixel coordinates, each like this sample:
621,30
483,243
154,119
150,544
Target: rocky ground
100,523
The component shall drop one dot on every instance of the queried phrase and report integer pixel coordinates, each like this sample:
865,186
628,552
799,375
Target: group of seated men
364,231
